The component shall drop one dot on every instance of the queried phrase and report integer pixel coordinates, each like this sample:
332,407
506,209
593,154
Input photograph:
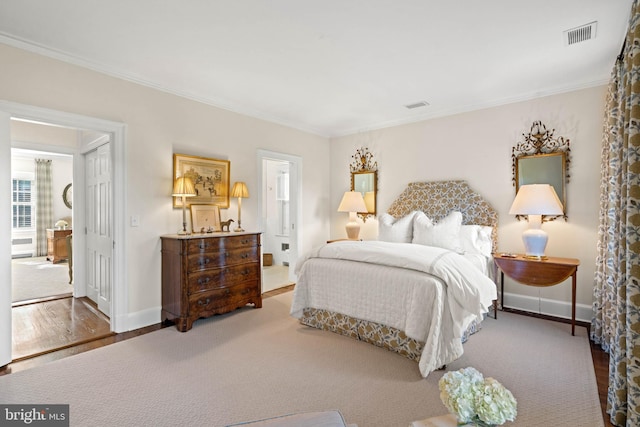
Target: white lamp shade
536,199
183,186
352,201
240,190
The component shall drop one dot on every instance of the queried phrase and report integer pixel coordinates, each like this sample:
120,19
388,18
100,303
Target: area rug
258,363
36,277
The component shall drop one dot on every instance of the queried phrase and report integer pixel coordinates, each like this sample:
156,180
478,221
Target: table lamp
536,200
239,190
183,187
352,202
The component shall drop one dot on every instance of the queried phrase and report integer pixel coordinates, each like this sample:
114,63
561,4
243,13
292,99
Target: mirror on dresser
364,179
542,158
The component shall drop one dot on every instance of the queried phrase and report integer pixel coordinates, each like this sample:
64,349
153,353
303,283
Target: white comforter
434,308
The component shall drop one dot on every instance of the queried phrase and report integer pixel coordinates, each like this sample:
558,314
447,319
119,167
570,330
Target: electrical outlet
135,220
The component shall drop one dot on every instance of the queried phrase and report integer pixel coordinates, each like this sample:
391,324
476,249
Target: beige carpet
38,278
257,363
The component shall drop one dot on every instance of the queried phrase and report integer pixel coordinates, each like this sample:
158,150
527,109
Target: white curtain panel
44,204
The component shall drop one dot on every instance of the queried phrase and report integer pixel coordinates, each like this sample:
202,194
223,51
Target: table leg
573,302
502,289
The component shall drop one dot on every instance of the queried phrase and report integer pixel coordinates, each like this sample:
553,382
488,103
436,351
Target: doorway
279,218
42,235
86,142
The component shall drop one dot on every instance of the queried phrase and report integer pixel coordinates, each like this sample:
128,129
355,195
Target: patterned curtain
44,205
616,322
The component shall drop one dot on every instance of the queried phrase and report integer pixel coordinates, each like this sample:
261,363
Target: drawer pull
204,262
245,272
205,302
227,291
204,246
244,256
202,281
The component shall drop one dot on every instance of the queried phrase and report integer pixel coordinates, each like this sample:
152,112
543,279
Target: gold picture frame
205,218
210,178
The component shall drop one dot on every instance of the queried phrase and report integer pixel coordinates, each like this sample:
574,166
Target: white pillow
398,230
476,239
445,234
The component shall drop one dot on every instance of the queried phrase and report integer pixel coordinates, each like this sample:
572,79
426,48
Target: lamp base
353,230
238,229
536,257
535,241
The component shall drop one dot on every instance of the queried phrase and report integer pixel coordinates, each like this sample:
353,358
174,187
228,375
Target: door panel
99,227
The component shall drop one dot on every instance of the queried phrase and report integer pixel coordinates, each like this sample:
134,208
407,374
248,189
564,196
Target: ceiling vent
417,105
580,34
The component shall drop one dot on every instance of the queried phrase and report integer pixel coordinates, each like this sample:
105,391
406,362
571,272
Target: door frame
117,131
295,195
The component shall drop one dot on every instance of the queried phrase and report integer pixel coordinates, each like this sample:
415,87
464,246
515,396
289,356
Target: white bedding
402,286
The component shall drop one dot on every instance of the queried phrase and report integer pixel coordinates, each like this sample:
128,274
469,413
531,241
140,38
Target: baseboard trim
143,318
547,307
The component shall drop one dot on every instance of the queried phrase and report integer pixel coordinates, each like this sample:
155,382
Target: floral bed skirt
371,332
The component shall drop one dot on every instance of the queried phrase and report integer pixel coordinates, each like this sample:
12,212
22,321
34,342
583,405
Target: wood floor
54,324
87,328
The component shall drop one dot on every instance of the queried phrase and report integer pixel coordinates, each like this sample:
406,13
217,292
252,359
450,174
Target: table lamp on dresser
183,188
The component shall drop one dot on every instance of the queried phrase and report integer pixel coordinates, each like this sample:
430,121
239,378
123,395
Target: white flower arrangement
61,224
474,399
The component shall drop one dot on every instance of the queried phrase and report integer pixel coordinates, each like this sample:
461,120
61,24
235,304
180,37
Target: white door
99,234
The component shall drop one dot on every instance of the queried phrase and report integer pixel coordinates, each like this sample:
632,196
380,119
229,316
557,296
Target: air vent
580,34
417,105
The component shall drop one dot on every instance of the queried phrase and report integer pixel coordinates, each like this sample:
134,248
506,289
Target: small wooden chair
69,242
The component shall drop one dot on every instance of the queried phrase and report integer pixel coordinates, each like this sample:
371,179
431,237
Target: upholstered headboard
437,198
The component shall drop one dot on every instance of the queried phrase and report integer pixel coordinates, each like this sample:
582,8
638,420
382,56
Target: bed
421,289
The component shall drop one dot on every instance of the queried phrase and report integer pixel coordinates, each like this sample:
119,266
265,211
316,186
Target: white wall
476,147
158,125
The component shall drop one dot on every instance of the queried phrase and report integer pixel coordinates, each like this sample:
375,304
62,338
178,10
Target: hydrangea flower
474,399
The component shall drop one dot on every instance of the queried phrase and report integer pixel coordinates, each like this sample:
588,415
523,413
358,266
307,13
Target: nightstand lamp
183,187
536,200
352,202
239,190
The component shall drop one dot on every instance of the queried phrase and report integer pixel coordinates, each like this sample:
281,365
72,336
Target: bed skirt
371,332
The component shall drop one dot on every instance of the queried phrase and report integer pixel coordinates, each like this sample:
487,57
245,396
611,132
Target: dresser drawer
195,246
204,261
223,277
222,298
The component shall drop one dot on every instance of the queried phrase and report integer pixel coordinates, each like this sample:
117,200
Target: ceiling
331,67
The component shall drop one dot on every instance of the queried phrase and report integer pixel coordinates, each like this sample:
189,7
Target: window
21,203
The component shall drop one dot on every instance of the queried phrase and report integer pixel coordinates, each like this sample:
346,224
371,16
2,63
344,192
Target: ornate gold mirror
542,159
364,179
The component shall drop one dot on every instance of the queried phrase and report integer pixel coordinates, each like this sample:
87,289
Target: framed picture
205,218
209,176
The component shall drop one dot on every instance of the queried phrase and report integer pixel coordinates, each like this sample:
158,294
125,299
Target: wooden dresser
57,245
207,274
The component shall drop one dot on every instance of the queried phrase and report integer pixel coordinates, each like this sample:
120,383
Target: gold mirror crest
361,166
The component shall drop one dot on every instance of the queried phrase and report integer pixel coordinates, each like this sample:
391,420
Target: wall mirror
364,179
542,159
